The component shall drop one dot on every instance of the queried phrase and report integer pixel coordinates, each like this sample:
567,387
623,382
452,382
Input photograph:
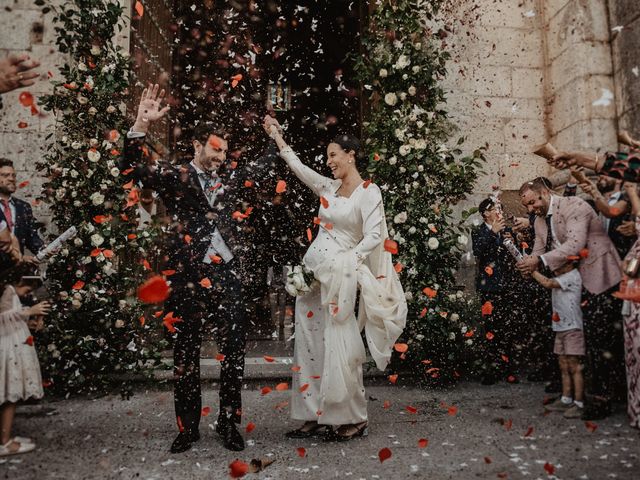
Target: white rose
383,73
93,155
452,336
76,145
402,170
420,144
89,227
82,100
403,61
455,317
95,50
115,171
82,67
97,199
60,193
93,111
420,124
96,240
415,184
403,96
399,134
391,99
469,341
404,150
459,294
415,69
77,242
412,90
298,281
417,45
420,168
93,142
400,218
119,323
462,239
111,109
433,243
463,329
412,230
393,160
74,174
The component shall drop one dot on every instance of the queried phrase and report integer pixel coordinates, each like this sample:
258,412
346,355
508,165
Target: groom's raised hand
150,108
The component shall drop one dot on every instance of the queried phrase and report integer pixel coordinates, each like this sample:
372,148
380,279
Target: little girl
20,377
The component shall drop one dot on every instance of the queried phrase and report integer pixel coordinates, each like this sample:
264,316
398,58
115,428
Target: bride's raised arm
315,181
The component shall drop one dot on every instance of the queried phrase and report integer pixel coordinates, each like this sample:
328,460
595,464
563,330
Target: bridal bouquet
299,281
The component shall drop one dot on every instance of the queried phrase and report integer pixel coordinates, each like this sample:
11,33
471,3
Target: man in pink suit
567,228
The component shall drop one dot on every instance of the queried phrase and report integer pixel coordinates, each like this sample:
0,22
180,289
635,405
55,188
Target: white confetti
605,99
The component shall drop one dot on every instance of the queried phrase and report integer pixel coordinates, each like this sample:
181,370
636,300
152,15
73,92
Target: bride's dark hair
350,143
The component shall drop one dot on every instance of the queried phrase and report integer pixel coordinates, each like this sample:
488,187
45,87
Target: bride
347,255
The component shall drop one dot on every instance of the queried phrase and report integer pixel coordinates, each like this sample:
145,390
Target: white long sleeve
308,176
372,218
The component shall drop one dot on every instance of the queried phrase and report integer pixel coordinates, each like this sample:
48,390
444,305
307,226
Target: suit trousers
604,340
195,305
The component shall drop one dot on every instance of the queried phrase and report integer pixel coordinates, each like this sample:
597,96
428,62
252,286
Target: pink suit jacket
577,226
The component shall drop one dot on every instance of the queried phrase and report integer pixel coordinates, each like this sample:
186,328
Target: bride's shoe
309,429
358,430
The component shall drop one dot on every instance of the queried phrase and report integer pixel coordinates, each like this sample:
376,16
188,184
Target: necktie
549,245
206,187
7,214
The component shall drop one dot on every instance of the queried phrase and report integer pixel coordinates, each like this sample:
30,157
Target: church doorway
230,62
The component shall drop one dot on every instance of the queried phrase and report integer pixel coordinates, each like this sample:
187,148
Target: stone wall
625,44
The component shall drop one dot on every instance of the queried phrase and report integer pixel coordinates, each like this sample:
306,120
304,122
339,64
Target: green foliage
95,329
422,179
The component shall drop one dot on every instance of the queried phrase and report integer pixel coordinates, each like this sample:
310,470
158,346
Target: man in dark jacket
495,283
17,215
205,251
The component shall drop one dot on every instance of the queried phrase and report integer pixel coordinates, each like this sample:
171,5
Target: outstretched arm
308,176
372,218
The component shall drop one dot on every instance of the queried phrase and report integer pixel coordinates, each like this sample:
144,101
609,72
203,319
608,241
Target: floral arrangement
97,327
300,280
421,176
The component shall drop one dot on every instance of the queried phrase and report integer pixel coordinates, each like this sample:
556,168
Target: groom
204,250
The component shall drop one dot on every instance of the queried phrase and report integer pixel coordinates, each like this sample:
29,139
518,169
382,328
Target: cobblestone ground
471,432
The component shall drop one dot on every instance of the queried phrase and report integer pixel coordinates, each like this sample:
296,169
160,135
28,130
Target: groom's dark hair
204,129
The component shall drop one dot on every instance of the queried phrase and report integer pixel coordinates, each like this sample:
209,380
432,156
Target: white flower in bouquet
404,150
468,341
93,111
463,240
76,145
455,317
96,240
299,281
402,62
400,134
400,217
60,193
82,67
96,198
383,73
82,100
433,243
391,99
412,90
421,144
412,230
393,160
115,171
419,337
93,155
403,96
77,242
402,170
119,323
111,109
95,50
415,69
93,142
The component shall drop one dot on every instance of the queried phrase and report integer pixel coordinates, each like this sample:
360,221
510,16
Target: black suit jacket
25,230
489,252
193,220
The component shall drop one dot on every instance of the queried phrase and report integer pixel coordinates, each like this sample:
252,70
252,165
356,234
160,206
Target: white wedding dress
346,255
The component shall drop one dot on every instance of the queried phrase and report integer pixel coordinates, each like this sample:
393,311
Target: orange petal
205,282
384,454
281,387
401,347
391,246
281,187
154,290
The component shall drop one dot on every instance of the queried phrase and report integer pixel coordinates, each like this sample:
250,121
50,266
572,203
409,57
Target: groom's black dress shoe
184,440
231,438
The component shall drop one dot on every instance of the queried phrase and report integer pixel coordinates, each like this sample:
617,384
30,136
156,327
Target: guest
495,281
151,209
17,215
566,322
631,328
613,207
568,227
20,377
349,261
9,244
620,165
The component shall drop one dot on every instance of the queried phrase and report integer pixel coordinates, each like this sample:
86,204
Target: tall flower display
98,327
422,178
